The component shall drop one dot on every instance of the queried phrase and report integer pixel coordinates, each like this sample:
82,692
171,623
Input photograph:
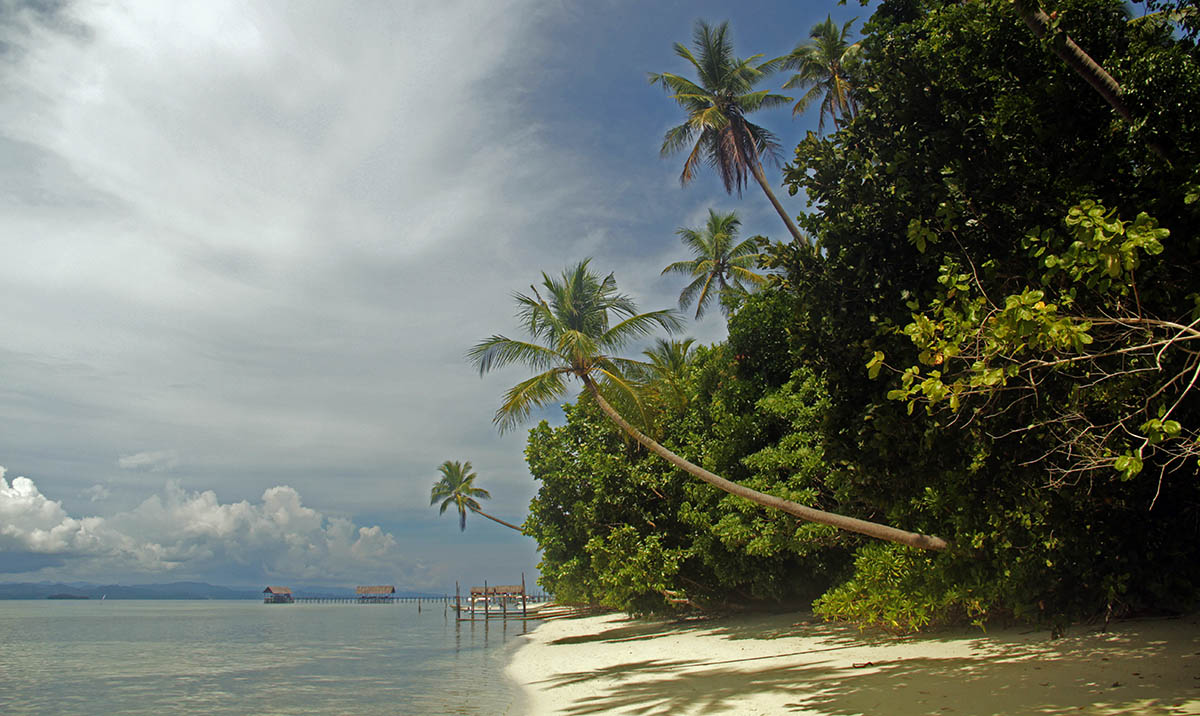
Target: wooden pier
486,602
492,597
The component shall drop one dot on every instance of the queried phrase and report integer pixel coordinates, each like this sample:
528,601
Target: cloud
192,534
263,233
152,461
96,493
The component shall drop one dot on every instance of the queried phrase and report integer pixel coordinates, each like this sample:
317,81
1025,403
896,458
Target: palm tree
717,104
570,331
457,487
666,370
720,259
824,67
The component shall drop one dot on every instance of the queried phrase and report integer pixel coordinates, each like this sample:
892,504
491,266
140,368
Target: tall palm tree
457,487
570,331
720,260
716,104
824,67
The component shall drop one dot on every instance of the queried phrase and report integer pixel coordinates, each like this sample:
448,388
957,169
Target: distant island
173,590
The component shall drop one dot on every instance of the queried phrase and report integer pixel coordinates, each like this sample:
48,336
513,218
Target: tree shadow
758,627
1144,668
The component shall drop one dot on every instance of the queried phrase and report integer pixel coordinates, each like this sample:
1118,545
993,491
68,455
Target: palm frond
497,352
639,326
677,138
524,396
807,99
704,297
689,292
688,267
693,161
761,100
617,389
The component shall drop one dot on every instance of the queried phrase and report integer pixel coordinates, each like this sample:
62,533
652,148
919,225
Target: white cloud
185,533
263,233
155,461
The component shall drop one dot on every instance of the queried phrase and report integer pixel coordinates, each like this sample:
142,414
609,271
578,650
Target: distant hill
78,590
172,590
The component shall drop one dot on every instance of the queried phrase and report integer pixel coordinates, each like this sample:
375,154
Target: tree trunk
1078,60
850,524
1081,62
498,520
756,169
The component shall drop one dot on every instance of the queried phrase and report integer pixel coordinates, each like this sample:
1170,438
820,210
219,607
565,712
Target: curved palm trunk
1070,53
1081,62
756,169
497,520
850,524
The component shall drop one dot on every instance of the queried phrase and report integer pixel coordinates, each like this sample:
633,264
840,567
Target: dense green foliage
620,527
996,343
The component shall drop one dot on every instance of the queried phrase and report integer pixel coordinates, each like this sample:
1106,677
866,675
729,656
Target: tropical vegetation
996,343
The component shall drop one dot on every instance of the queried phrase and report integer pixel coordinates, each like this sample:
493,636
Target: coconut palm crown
575,330
668,362
824,67
457,488
722,262
716,103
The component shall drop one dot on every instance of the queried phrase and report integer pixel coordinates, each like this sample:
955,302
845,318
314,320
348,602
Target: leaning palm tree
573,330
457,487
824,66
716,104
721,261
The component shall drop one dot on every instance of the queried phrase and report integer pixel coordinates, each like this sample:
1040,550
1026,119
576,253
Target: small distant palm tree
575,334
721,262
457,487
666,370
716,104
825,67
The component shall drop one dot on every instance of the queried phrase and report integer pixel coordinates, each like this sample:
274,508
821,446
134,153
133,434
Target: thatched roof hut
375,591
375,594
277,595
499,590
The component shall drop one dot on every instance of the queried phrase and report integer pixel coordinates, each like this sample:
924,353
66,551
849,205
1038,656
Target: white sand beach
795,664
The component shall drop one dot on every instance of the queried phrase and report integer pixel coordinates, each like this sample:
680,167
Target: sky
245,245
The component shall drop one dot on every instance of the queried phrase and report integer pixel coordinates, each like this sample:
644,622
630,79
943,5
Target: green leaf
874,365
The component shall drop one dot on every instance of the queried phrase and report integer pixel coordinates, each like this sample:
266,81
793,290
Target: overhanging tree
575,333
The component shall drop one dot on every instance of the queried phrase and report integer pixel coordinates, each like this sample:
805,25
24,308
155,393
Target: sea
92,657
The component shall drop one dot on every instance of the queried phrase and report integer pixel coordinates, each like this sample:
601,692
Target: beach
796,664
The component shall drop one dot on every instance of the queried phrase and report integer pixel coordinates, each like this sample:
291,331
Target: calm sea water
222,657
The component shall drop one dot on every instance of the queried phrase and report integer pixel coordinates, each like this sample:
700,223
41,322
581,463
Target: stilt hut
277,595
375,594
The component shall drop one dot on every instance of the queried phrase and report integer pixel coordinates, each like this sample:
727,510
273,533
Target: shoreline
796,664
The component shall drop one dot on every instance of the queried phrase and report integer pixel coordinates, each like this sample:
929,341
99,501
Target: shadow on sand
1141,668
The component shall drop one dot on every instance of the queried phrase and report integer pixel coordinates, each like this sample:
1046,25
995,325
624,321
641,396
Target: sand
795,664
